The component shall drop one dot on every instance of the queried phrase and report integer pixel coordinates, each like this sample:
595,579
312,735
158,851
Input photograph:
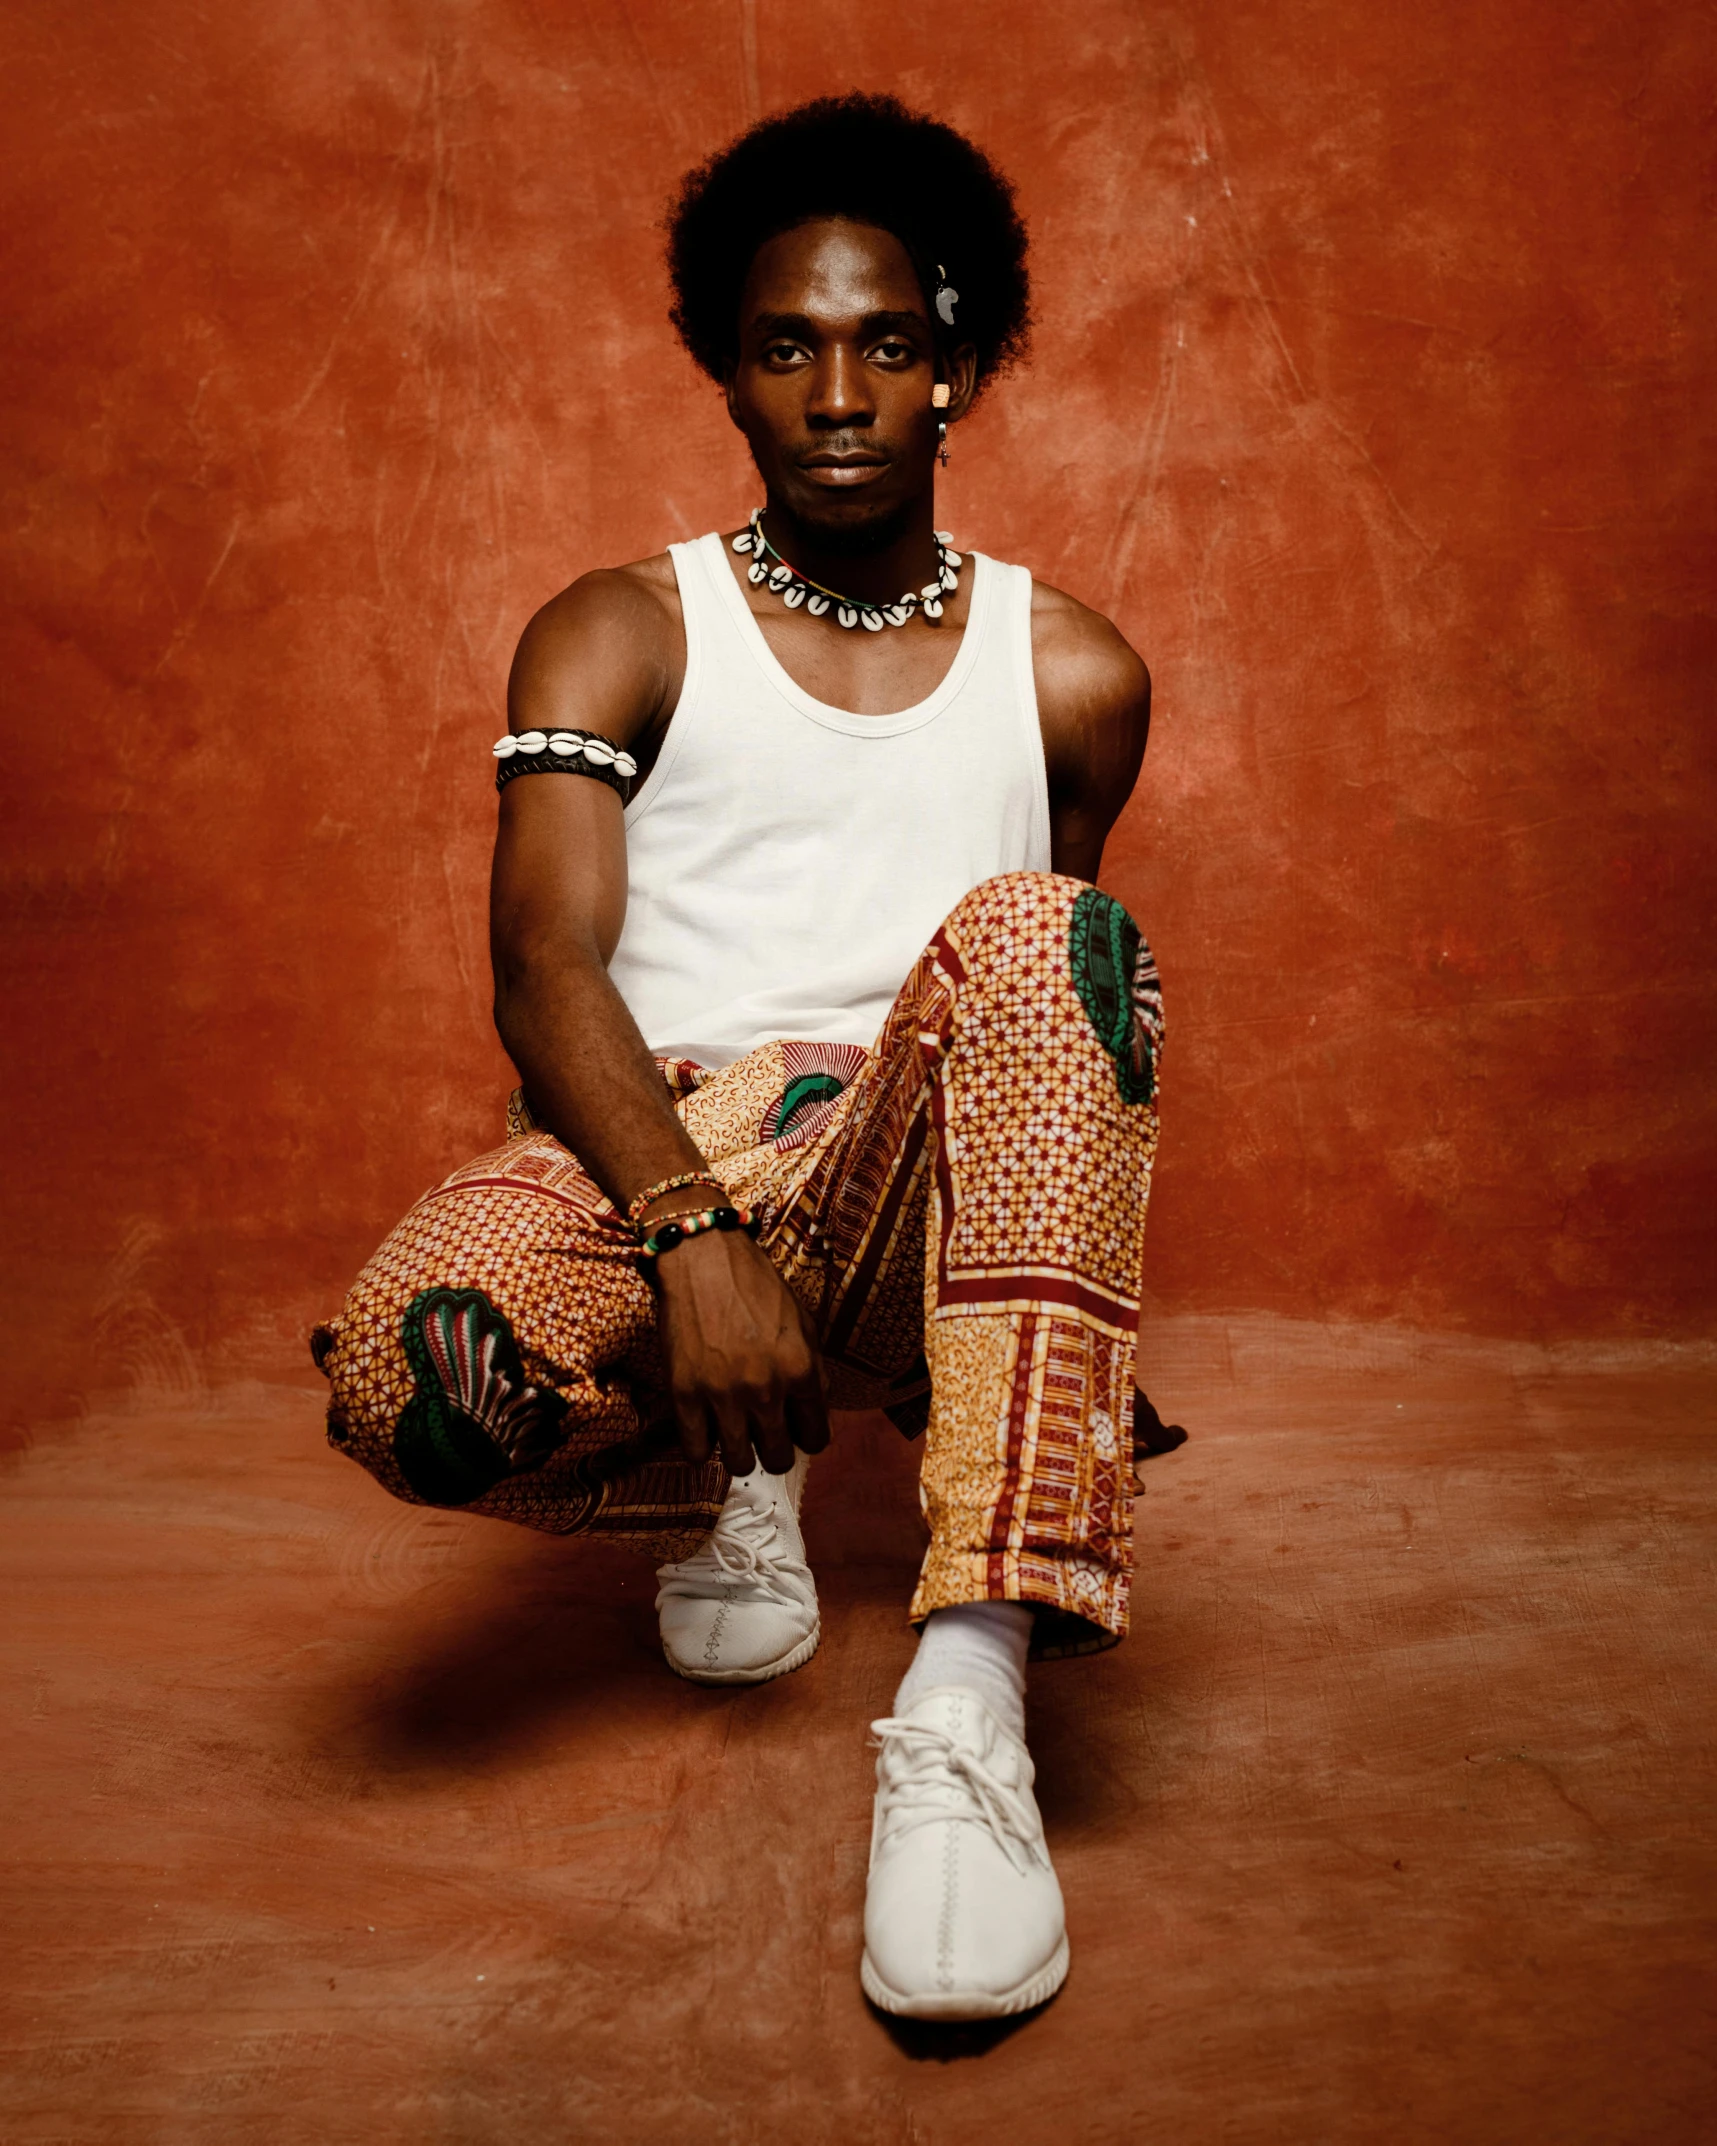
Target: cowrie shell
564,743
847,615
933,607
756,572
794,596
953,559
532,741
897,615
872,621
779,576
930,588
598,754
742,542
624,764
943,536
950,580
505,748
816,605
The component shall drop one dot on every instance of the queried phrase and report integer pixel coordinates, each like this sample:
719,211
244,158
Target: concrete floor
332,1820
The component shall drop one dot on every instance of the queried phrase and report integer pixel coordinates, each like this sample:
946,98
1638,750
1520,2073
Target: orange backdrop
1372,397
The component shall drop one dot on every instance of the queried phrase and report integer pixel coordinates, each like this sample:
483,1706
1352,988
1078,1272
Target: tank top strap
1007,631
710,624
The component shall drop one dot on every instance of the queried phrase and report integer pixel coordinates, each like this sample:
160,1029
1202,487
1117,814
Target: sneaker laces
747,1553
928,1777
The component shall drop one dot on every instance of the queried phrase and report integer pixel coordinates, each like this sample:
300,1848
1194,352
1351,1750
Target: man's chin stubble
857,536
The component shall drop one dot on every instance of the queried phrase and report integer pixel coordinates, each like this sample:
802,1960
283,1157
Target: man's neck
907,561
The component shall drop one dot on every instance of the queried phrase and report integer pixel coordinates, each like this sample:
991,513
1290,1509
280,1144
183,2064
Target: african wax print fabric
960,1212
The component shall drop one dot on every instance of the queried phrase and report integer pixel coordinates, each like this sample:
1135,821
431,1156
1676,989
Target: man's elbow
537,969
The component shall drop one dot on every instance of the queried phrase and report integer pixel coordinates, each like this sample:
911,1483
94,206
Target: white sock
981,1645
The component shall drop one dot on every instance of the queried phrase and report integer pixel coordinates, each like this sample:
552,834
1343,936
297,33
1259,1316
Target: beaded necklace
795,588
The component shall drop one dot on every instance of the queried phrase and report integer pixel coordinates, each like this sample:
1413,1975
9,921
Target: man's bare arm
605,656
1094,703
593,659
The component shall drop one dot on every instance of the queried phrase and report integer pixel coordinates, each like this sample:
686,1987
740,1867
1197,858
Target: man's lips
832,469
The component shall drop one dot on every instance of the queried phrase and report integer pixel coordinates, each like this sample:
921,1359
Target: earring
940,396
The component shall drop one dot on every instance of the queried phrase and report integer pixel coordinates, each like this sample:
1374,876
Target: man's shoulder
1094,704
614,640
1082,657
634,606
628,595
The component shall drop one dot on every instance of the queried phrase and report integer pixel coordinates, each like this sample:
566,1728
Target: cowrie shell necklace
795,588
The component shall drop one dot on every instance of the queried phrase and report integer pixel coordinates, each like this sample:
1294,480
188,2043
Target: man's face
832,387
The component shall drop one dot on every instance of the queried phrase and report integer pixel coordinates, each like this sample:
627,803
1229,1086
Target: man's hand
740,1358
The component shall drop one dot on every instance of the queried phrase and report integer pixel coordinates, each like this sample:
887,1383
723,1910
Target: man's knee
447,1361
438,1402
1014,906
1066,933
1024,915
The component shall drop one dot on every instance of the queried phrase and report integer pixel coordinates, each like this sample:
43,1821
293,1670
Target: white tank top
787,861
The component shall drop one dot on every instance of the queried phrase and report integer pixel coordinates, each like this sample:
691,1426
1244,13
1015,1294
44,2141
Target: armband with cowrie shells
565,752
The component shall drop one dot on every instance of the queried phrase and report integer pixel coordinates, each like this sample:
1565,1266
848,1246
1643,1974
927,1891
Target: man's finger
808,1411
734,1436
769,1428
693,1420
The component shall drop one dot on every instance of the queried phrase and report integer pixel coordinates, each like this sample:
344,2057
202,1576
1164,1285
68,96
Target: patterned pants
960,1212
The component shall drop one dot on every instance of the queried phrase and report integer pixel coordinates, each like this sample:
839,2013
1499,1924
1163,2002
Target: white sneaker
743,1608
963,1916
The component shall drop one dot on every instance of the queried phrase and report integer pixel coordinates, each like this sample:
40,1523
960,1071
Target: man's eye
892,352
781,353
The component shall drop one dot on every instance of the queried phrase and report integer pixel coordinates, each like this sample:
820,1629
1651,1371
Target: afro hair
876,162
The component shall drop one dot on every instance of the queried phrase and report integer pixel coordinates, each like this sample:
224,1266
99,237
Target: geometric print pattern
962,1220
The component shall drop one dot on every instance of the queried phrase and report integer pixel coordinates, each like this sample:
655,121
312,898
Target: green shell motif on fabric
1117,982
474,1418
802,1096
817,1076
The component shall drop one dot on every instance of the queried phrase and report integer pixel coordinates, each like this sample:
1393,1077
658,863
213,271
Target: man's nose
840,391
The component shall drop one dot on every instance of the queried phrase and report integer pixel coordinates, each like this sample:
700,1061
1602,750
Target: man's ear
962,380
729,390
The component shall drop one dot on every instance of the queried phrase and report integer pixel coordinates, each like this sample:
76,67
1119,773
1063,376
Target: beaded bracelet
565,752
666,1235
652,1193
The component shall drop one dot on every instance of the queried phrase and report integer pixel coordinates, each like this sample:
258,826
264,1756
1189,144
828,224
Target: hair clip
946,299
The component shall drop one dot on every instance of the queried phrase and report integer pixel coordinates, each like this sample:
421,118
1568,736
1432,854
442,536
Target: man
837,1072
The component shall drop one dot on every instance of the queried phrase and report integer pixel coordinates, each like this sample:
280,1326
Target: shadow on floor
494,1661
548,1642
934,2041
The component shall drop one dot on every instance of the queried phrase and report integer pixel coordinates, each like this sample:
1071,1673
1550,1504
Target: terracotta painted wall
1372,396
